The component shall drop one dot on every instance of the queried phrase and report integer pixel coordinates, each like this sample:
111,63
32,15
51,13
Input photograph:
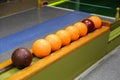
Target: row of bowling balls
22,57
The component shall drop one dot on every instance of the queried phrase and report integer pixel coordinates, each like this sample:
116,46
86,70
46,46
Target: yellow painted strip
5,63
58,2
38,3
43,63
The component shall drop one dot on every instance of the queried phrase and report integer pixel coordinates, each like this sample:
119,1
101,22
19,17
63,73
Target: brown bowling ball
21,58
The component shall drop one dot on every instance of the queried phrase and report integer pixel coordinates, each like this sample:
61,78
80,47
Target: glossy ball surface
90,25
21,58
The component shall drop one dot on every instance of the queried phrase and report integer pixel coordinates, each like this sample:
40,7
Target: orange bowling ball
64,36
41,48
83,30
54,41
96,20
31,51
74,32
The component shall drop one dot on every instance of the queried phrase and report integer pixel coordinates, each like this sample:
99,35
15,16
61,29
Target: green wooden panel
115,25
115,33
114,38
70,66
113,44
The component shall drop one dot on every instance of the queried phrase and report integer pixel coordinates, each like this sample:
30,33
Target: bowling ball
73,31
21,58
54,41
82,28
96,20
90,25
41,48
64,36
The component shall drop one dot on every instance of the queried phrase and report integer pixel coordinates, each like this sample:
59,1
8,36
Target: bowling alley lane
21,21
23,28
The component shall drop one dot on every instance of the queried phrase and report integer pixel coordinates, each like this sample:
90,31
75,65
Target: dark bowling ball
21,58
90,25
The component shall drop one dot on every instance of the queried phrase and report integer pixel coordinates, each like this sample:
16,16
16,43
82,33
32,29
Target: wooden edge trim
5,63
106,23
43,63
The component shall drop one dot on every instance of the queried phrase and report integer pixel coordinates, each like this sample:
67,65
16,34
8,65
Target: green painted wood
113,43
12,71
114,37
115,25
8,73
115,33
70,66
